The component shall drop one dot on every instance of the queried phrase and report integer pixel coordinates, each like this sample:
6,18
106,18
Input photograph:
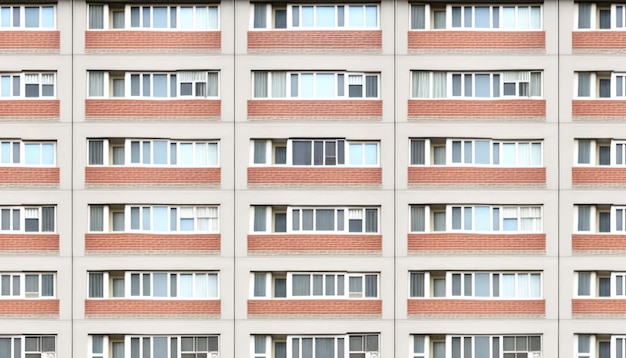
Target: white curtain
96,83
260,84
584,15
279,84
202,17
421,84
418,219
96,16
418,17
523,285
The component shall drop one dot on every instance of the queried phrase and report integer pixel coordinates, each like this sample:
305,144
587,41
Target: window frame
22,213
23,294
22,18
107,18
22,144
346,276
270,17
22,83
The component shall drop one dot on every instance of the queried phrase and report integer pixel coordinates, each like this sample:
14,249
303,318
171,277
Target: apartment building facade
363,179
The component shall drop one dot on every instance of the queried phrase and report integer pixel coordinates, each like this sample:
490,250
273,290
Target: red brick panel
103,242
38,108
330,109
450,307
476,242
475,175
113,175
590,108
155,307
28,307
334,307
302,243
29,175
29,242
315,175
461,108
175,108
315,40
586,306
598,175
598,40
153,40
30,40
492,40
598,242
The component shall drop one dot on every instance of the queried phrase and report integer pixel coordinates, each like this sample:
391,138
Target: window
312,219
476,17
154,346
319,346
508,84
600,219
155,218
153,152
27,219
27,153
27,285
315,17
158,17
27,17
599,152
599,284
317,285
28,346
27,85
592,85
476,152
323,152
493,346
592,16
157,85
314,85
515,285
477,218
192,285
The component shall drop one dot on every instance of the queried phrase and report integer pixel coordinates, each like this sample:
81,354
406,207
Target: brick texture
117,175
315,109
153,40
306,308
30,40
473,307
31,108
29,307
29,175
490,40
475,175
598,109
123,242
315,40
472,243
460,108
598,242
145,108
598,40
30,242
152,308
332,176
598,306
599,176
307,244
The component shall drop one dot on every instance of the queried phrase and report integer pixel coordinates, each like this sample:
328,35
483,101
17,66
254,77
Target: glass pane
325,16
356,16
160,17
31,16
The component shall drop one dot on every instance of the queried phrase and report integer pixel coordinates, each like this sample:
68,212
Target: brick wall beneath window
29,175
475,175
598,242
473,307
483,40
140,108
155,307
315,109
598,40
120,243
315,40
29,307
314,308
118,175
470,109
35,108
600,176
309,244
598,109
30,242
153,40
473,243
30,40
582,307
333,176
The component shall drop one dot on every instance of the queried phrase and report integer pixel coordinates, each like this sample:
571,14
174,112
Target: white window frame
592,346
346,340
105,346
128,285
22,78
593,284
23,211
472,342
346,294
195,217
22,21
336,96
449,293
270,18
22,152
22,285
414,354
501,218
429,19
346,222
491,142
268,346
108,26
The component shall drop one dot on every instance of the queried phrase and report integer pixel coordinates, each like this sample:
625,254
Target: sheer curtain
584,218
96,16
96,83
418,152
260,218
418,17
260,284
421,84
584,151
279,84
260,16
418,219
301,285
260,84
96,285
417,285
96,152
584,15
371,286
96,218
